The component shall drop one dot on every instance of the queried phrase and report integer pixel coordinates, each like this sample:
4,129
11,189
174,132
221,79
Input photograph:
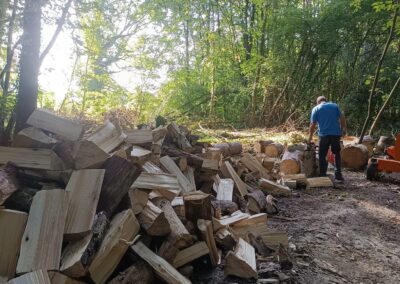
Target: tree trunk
29,63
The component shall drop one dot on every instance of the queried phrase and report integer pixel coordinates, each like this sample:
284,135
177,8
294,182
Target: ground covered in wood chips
346,234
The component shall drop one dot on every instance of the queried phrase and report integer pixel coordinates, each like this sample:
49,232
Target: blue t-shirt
327,116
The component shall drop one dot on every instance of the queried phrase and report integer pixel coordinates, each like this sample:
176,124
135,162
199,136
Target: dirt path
348,234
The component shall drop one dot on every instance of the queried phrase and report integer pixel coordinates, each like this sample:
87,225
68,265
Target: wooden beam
165,270
46,120
107,137
32,137
172,168
240,185
123,228
191,253
44,159
35,277
83,189
42,239
166,184
242,261
12,226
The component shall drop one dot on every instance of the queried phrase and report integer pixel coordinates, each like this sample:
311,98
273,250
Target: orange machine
389,165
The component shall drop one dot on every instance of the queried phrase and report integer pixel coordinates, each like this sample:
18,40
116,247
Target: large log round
354,156
291,162
274,150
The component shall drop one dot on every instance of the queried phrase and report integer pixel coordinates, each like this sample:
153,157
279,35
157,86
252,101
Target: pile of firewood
137,206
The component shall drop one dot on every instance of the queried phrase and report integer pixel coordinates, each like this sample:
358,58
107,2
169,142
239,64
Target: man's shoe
339,177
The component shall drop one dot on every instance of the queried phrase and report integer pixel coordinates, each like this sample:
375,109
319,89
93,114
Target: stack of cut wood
130,206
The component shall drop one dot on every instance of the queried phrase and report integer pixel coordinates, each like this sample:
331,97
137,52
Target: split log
8,182
181,162
260,247
225,239
165,270
207,232
83,191
139,137
32,137
58,278
108,137
267,162
259,146
225,189
138,198
46,120
12,226
151,168
193,160
229,172
44,159
166,184
153,220
229,149
168,251
189,174
271,207
254,165
197,206
242,261
191,253
178,137
319,182
123,228
35,277
270,187
159,133
229,220
224,207
140,155
118,178
354,156
139,273
79,254
256,201
179,235
299,179
213,153
291,162
256,224
179,207
172,168
42,239
274,150
210,165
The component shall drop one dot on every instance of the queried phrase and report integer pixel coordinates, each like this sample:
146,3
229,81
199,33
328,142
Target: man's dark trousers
325,142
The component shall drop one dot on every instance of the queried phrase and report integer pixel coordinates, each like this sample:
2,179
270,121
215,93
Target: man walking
331,126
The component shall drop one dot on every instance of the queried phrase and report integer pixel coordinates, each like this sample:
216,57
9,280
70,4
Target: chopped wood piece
8,182
211,165
58,278
159,133
186,270
181,162
165,270
259,146
12,226
382,144
291,162
178,137
123,228
139,136
153,220
254,165
259,245
179,207
242,226
107,137
256,201
319,182
35,277
191,253
179,236
140,155
231,173
118,178
309,164
189,174
225,238
207,232
229,149
83,194
271,207
224,207
32,137
229,220
274,150
242,261
44,159
165,184
267,162
139,199
193,160
138,273
168,251
270,187
42,239
151,168
225,189
354,156
172,168
197,206
46,120
213,154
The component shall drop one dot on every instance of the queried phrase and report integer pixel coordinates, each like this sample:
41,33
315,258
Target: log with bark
224,207
207,233
254,165
256,201
197,206
32,137
153,220
354,156
270,187
267,162
192,160
259,146
108,137
191,253
274,150
178,137
225,238
229,149
8,182
242,261
291,162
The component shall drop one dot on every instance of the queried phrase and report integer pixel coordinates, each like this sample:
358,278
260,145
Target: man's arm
312,130
343,124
